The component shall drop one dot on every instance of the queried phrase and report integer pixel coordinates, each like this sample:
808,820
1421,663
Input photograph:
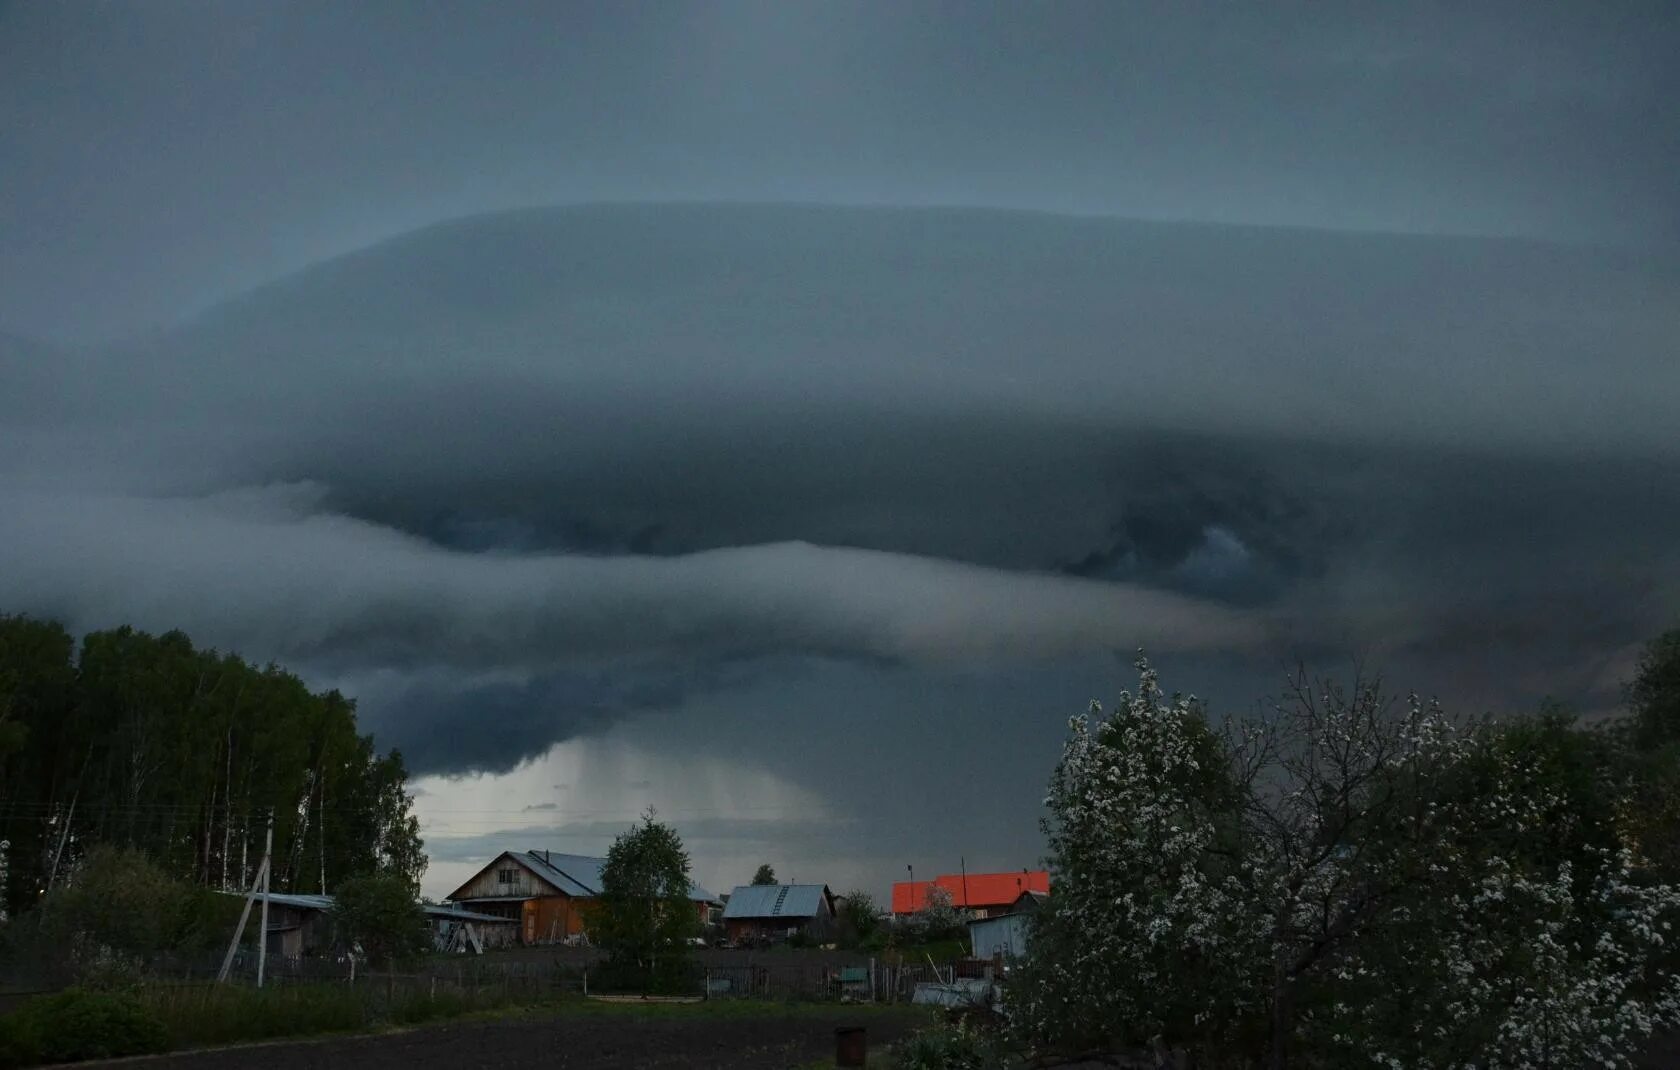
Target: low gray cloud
254,572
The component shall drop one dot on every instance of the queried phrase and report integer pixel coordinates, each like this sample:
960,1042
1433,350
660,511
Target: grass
226,1014
204,1015
941,951
199,1016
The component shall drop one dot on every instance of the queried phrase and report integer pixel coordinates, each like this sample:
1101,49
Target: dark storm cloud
156,156
512,719
528,475
830,492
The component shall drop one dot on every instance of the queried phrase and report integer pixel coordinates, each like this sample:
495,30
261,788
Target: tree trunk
1278,1057
227,808
321,837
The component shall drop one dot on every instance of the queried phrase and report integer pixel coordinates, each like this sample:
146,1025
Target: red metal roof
983,889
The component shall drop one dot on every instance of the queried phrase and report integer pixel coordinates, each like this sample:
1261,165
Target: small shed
757,912
298,925
454,929
1005,935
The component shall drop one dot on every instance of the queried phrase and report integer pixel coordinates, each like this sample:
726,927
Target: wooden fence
528,978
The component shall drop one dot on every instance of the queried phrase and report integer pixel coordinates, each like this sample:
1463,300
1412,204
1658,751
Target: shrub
665,978
117,909
378,912
858,922
77,1024
959,1047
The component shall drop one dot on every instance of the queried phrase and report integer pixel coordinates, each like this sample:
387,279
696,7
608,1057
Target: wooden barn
303,925
758,913
548,893
298,925
455,929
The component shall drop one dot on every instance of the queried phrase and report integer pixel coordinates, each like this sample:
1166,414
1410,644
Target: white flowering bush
938,919
1348,882
1149,929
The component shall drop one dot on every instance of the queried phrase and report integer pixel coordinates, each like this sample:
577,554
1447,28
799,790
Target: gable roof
578,876
777,901
1026,904
982,889
585,872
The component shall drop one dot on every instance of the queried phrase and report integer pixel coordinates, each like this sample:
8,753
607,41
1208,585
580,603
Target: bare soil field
773,1040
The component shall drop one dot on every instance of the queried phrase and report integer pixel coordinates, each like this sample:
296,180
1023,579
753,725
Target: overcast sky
155,156
811,524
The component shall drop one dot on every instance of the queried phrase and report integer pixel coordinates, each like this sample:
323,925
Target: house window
507,876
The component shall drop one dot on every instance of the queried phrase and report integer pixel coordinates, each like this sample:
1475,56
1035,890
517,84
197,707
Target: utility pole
268,870
261,879
963,861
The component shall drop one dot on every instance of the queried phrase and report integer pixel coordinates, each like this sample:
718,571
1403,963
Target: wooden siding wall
528,883
551,919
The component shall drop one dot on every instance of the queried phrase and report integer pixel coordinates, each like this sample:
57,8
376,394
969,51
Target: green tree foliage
1654,695
149,742
859,922
764,875
377,912
1649,742
645,917
118,898
114,911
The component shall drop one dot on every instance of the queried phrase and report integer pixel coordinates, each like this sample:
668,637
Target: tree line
146,741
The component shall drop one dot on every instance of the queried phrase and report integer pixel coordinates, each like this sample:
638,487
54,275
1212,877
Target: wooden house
548,893
758,913
981,895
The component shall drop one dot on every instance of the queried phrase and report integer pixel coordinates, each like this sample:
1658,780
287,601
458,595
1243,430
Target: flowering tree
1346,882
1150,929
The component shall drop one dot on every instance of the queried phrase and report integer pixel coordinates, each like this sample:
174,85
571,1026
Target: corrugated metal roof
577,875
973,890
457,914
287,899
775,901
581,874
